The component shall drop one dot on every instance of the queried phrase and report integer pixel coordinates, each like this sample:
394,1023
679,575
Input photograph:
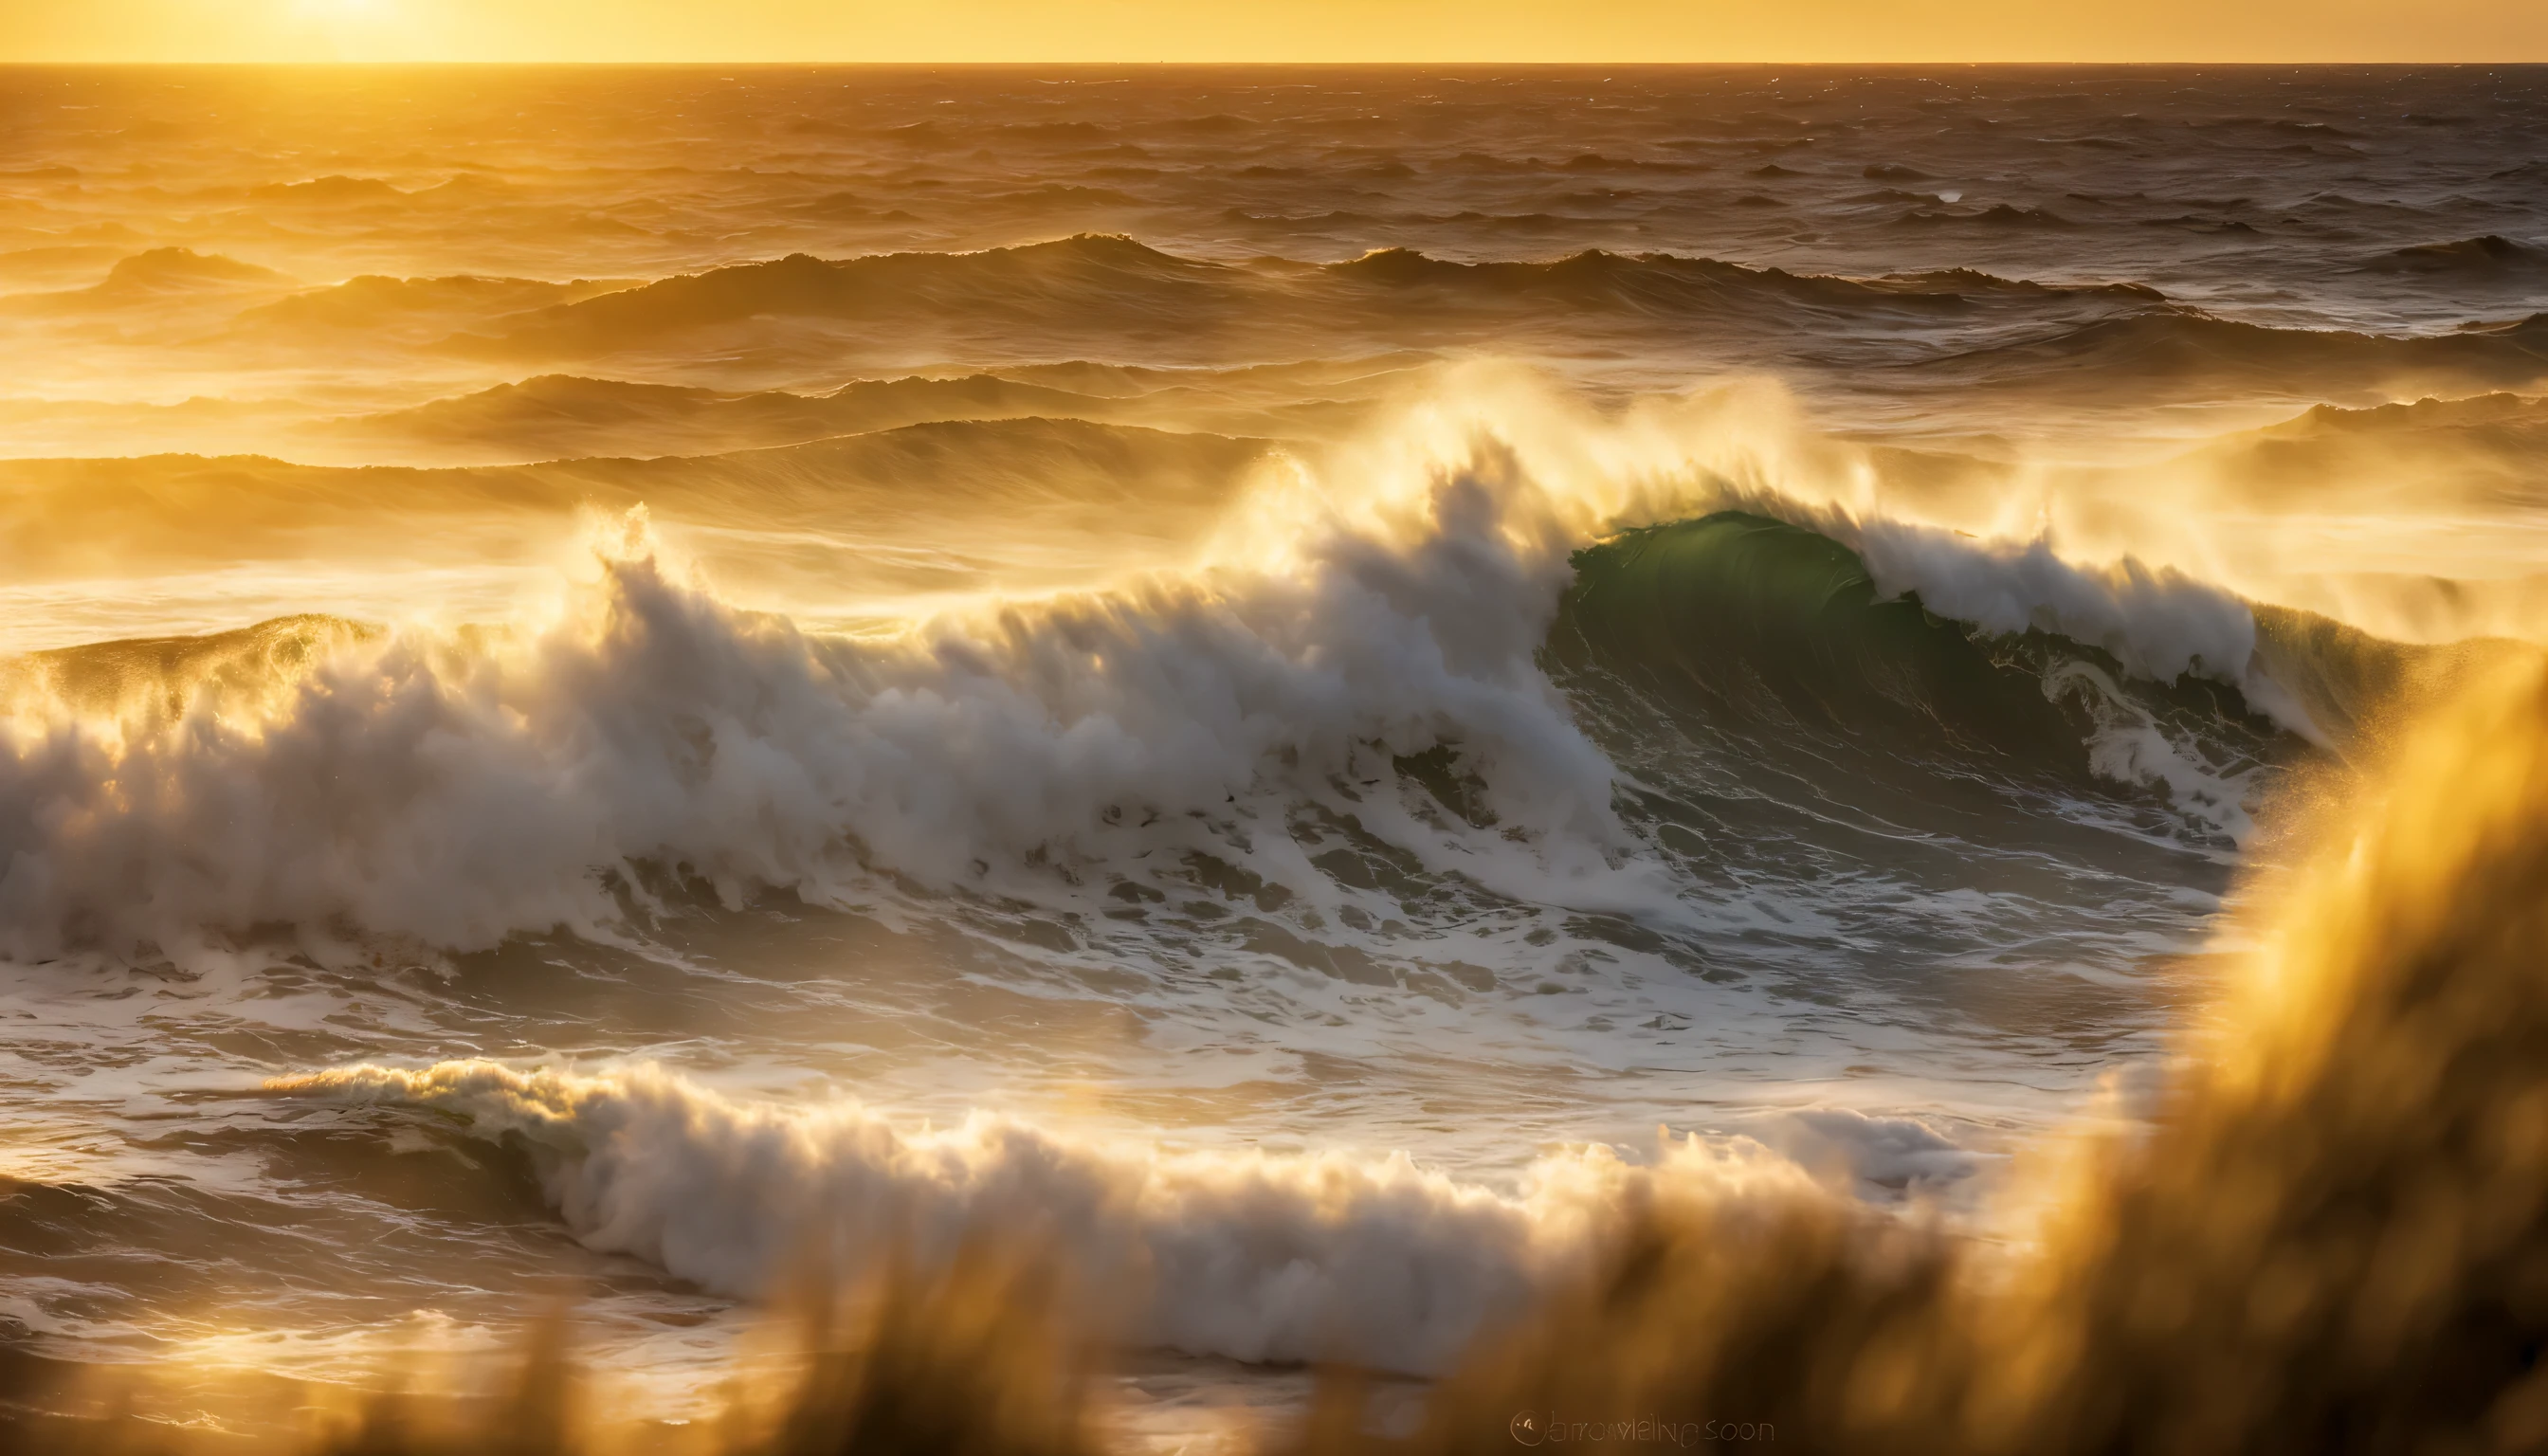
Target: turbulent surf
1306,689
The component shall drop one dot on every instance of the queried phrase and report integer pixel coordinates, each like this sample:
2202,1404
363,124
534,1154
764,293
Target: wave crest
452,789
1250,1256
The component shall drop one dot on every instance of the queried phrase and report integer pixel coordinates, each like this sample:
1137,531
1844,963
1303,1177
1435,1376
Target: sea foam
448,789
1247,1256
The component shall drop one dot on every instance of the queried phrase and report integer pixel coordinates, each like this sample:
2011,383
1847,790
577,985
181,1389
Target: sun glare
364,30
1126,30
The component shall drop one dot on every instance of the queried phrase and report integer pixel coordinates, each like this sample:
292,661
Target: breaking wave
1250,1256
1352,624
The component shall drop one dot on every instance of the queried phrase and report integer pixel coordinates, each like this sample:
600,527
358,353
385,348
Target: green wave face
1887,796
1751,619
1738,624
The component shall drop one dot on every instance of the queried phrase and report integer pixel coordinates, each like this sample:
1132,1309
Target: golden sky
1274,29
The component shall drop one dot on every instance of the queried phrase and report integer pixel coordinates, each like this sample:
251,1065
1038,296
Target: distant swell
2487,258
2187,347
1122,287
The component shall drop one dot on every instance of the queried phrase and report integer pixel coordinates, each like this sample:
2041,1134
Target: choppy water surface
621,671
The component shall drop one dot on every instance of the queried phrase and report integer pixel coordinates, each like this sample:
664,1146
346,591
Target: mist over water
1305,680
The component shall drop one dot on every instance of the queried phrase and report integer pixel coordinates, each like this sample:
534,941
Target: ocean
619,678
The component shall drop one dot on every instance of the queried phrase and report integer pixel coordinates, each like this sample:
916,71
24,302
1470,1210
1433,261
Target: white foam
2129,746
1246,1255
453,788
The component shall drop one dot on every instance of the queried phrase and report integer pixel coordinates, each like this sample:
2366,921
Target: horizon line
1257,64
